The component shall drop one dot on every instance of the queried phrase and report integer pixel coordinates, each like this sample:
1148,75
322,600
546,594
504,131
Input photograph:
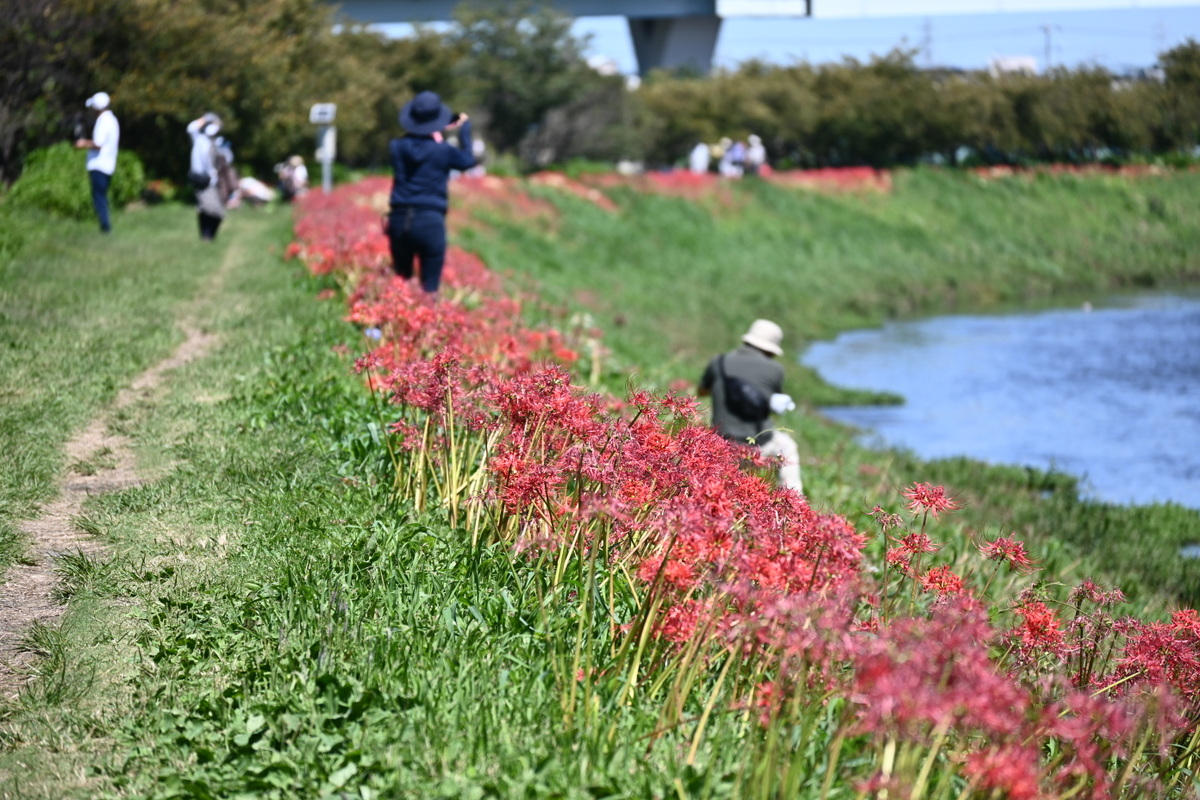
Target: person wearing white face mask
102,155
202,174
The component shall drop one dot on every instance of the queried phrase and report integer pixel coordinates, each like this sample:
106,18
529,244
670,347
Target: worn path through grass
96,399
97,461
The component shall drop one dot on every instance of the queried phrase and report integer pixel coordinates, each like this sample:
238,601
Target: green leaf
338,779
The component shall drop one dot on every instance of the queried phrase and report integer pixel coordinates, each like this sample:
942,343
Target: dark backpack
743,398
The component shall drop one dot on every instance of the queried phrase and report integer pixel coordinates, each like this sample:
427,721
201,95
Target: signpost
322,115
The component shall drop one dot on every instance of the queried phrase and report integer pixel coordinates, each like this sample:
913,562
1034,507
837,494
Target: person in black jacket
421,165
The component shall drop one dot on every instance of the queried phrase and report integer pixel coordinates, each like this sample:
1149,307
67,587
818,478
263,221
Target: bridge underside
666,34
674,42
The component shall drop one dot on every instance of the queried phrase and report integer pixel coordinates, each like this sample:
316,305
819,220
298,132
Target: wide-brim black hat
425,113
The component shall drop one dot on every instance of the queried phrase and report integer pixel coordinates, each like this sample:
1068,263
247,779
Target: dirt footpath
98,462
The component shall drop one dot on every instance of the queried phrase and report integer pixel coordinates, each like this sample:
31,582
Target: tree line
524,77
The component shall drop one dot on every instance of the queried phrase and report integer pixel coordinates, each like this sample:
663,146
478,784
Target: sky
1116,39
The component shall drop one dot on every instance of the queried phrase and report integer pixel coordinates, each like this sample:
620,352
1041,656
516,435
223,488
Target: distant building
604,65
1009,65
1132,75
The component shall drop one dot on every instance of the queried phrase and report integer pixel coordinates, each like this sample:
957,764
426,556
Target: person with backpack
746,386
203,174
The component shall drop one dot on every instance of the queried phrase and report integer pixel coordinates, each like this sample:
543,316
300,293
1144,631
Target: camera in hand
75,127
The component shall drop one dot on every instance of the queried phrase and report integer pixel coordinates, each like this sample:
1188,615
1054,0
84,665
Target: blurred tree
519,62
874,114
259,65
426,60
1181,67
598,124
46,50
523,76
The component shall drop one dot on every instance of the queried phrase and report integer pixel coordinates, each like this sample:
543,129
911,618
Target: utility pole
927,42
1048,31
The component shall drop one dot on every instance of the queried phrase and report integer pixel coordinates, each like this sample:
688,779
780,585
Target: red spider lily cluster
1025,699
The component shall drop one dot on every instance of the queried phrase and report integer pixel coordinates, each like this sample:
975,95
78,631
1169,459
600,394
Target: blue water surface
1107,394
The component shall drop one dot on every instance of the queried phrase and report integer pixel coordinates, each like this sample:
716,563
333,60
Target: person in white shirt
299,176
202,174
756,156
102,154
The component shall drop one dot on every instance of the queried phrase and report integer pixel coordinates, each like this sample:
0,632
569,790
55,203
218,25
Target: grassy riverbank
671,280
83,316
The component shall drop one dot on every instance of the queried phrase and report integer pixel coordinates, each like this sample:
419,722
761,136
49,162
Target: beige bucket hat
765,335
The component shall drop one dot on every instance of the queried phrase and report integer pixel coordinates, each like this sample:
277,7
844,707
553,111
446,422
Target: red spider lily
1090,591
1093,730
1165,653
941,581
922,673
1010,551
1040,629
916,543
925,497
1008,771
886,520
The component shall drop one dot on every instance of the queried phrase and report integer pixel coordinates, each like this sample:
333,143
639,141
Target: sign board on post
322,115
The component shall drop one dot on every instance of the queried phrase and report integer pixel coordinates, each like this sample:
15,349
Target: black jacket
421,168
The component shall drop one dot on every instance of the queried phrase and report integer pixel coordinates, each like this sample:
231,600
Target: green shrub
55,180
11,238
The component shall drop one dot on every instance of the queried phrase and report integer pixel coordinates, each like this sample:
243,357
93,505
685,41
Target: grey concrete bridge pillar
674,42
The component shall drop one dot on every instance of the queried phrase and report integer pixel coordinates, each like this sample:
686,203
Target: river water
1109,394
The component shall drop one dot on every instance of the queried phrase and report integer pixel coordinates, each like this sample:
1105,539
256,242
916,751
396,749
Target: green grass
81,315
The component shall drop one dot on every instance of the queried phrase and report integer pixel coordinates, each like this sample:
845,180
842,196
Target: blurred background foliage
55,179
535,100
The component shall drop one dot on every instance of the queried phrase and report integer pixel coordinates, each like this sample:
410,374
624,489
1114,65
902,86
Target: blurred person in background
756,155
102,154
293,178
227,177
203,174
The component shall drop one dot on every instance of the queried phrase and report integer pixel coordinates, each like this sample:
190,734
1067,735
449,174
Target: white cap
212,129
98,101
765,335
